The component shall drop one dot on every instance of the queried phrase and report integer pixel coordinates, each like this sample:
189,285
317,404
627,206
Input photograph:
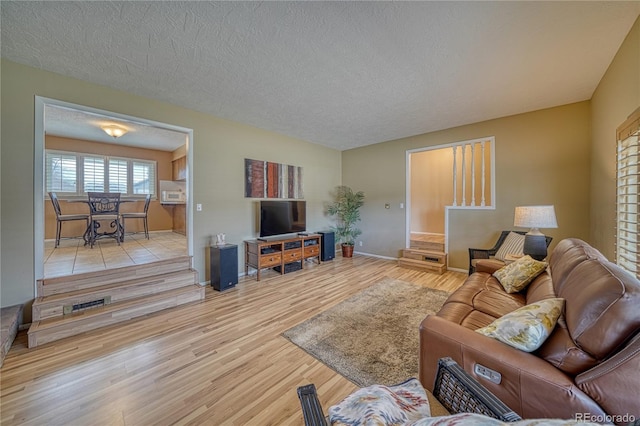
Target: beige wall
616,97
542,157
160,217
219,149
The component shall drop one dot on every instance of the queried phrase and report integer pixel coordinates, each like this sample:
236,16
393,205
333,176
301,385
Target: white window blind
93,176
144,177
628,187
76,174
117,175
60,172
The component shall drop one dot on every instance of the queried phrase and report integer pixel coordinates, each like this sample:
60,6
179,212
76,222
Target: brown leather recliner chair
588,368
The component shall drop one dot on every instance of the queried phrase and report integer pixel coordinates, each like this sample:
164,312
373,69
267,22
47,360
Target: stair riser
425,266
432,257
73,328
43,310
90,280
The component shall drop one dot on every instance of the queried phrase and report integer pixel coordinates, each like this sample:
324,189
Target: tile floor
73,257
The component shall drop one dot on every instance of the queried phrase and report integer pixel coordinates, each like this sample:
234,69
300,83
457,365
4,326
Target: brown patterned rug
372,337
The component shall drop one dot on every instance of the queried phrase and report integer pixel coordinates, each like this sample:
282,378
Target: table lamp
535,217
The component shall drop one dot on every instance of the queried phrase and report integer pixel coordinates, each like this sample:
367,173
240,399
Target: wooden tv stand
284,255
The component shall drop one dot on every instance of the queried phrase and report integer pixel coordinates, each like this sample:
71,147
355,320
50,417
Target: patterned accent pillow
513,244
528,327
382,405
517,275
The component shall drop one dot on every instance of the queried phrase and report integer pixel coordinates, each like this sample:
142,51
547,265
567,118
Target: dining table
87,233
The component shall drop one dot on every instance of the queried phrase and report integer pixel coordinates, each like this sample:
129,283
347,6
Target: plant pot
347,250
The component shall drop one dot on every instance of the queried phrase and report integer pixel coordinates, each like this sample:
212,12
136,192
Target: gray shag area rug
372,337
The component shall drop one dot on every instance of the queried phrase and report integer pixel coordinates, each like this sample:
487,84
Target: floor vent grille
68,309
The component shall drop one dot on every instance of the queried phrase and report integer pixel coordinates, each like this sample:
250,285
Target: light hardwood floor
222,361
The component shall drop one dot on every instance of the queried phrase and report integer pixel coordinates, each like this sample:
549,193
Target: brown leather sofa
588,368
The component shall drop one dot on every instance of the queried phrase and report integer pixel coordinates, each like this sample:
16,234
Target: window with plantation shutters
144,177
117,176
93,174
75,174
628,187
60,172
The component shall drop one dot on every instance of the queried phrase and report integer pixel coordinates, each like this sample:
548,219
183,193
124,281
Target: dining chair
64,217
137,215
104,207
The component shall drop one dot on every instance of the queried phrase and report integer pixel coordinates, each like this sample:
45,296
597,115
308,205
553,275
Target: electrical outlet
199,207
360,243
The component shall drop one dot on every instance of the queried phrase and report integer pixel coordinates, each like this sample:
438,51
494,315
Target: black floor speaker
327,245
224,266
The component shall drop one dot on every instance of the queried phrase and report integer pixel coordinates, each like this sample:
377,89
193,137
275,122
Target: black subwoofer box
224,266
327,245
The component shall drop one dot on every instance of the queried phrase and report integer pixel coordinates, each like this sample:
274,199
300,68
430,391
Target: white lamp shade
535,217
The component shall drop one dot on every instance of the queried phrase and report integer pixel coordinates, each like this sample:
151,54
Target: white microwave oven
174,197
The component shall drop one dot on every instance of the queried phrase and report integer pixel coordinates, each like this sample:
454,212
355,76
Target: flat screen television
282,217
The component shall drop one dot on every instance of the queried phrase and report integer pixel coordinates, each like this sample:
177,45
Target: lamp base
535,246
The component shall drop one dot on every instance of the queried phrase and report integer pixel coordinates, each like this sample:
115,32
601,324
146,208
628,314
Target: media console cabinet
283,255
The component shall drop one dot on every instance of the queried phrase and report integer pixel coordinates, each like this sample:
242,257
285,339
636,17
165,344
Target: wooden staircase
73,304
424,256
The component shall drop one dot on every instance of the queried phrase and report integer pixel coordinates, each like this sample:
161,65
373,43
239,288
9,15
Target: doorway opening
459,175
78,131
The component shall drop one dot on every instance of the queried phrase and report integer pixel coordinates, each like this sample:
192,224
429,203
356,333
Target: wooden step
425,255
426,245
58,328
422,265
60,303
56,285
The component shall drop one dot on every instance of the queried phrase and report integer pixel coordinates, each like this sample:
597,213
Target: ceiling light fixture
114,131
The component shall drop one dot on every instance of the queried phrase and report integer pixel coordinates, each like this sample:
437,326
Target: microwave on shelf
174,197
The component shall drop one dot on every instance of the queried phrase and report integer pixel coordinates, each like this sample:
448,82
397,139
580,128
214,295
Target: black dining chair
104,208
64,217
137,215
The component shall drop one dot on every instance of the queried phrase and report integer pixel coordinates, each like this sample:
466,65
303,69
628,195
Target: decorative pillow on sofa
515,276
528,327
381,405
513,244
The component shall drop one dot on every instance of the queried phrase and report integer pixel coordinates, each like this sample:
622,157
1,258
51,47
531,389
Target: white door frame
38,171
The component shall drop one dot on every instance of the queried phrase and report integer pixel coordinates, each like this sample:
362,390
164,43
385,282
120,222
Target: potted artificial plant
346,209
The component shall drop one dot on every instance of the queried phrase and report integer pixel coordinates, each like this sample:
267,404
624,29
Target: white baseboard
375,255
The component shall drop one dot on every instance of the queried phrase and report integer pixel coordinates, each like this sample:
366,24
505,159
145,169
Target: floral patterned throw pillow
517,275
382,405
528,327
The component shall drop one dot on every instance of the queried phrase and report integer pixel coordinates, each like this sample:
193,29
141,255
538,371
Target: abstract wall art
264,179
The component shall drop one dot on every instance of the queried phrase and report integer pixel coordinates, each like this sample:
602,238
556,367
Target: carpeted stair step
10,320
57,328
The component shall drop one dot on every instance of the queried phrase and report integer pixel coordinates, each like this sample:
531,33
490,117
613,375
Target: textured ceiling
340,74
